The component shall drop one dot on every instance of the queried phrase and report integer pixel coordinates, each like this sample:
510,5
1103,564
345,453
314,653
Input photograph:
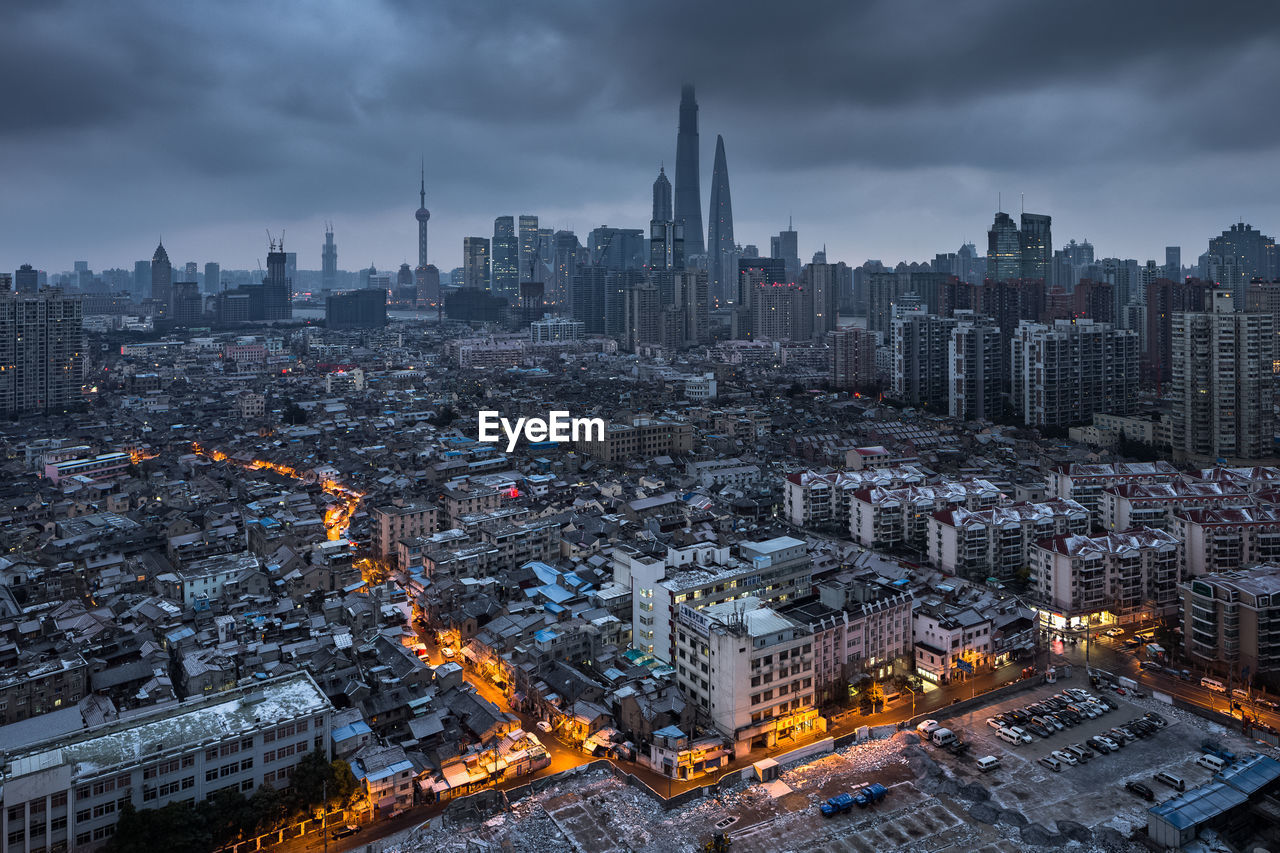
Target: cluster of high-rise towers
657,286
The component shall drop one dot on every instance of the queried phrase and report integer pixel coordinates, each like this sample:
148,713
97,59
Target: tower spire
422,183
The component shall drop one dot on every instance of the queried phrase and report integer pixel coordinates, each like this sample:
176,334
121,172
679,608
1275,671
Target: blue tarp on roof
545,574
552,607
351,730
555,593
546,635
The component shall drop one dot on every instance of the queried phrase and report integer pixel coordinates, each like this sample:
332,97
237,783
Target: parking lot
1091,793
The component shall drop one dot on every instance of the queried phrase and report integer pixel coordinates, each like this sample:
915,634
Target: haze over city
887,130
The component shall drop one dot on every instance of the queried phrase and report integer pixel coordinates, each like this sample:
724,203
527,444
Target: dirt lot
936,801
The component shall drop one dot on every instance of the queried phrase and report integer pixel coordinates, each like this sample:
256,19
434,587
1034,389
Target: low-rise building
996,542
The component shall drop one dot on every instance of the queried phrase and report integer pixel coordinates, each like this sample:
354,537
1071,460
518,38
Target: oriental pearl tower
426,277
422,216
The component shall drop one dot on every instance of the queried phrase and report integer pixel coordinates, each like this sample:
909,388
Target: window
15,813
58,799
83,815
268,737
16,836
211,754
104,809
148,794
211,775
36,805
246,786
83,838
188,761
104,832
82,793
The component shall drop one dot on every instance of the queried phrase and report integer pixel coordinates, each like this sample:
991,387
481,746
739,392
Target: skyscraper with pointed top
328,260
161,278
723,259
688,195
662,197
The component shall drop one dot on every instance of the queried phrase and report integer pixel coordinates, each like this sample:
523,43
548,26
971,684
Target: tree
313,774
443,418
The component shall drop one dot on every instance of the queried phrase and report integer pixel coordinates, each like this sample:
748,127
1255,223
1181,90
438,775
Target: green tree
294,415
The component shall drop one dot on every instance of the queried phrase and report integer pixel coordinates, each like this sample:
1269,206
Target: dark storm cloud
886,128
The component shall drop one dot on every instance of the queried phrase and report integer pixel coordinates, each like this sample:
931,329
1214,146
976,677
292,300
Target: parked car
1109,741
1155,718
1100,745
1052,763
992,722
1109,702
345,831
1065,757
1079,751
1141,790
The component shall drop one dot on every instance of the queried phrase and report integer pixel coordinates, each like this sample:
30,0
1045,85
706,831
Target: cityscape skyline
881,181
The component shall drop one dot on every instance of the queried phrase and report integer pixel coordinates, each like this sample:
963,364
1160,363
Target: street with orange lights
337,517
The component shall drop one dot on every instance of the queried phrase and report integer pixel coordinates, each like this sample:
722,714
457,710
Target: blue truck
873,793
838,804
1212,747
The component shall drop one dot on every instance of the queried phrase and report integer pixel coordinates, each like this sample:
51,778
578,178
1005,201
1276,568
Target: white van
987,763
1213,762
942,737
1213,684
1171,780
1014,735
1240,695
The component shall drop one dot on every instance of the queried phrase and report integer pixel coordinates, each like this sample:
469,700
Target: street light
913,699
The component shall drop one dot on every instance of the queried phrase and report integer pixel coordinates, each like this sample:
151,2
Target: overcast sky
885,129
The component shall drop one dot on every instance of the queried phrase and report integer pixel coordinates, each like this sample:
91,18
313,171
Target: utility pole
324,813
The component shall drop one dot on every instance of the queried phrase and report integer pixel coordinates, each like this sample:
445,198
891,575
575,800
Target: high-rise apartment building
1224,380
920,342
505,278
752,273
475,262
1062,374
853,358
822,283
41,351
328,260
1004,249
1252,251
688,192
974,368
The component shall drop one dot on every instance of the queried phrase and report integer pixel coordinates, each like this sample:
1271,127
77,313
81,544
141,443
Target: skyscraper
505,259
721,249
141,278
666,237
41,351
529,248
821,282
919,344
1173,263
212,278
786,245
1036,244
328,260
161,279
277,289
567,255
1004,249
1223,384
662,197
1253,252
26,279
475,262
688,193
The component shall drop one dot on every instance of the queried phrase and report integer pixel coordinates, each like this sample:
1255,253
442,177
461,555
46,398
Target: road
1104,653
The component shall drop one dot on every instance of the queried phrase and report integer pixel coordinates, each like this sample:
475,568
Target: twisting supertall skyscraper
723,258
688,206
